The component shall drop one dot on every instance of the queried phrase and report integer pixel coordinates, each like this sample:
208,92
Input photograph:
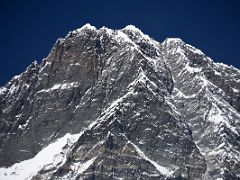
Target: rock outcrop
116,104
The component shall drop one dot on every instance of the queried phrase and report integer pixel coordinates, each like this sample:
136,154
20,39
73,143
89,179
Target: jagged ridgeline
116,104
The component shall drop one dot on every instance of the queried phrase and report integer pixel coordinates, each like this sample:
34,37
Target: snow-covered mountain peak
145,110
173,41
87,26
133,29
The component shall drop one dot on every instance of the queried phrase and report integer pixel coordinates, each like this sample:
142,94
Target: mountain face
116,104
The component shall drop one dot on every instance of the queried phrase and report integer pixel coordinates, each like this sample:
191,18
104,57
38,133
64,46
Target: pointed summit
87,26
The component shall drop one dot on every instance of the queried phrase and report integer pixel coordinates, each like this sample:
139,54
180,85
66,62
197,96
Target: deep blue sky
29,29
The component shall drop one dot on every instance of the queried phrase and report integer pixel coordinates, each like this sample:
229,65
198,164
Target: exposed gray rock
144,110
209,108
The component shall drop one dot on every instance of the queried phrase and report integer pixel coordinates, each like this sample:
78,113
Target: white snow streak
81,168
181,94
161,169
60,86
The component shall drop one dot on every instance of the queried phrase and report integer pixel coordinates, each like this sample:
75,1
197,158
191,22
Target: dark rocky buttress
116,104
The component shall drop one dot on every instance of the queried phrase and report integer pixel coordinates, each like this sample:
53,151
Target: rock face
116,104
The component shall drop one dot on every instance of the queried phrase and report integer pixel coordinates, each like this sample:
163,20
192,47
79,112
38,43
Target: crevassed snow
49,157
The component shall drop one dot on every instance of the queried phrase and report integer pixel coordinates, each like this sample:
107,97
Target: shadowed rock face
145,110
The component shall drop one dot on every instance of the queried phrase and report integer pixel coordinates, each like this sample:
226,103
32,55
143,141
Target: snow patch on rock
49,157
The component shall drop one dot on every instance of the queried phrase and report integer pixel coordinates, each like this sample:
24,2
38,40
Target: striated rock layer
116,104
